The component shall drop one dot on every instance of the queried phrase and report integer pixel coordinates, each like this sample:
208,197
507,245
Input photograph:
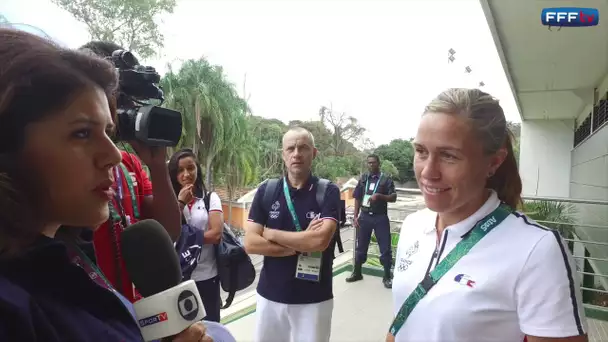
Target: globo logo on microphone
187,305
161,317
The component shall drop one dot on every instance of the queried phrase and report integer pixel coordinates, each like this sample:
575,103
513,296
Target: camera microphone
168,306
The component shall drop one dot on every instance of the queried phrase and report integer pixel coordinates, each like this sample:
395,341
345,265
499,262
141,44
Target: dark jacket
46,297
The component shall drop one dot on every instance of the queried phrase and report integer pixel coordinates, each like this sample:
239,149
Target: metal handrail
584,272
594,274
574,224
530,198
593,290
565,200
587,242
589,258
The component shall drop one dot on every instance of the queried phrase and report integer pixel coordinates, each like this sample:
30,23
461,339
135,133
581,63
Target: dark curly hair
37,78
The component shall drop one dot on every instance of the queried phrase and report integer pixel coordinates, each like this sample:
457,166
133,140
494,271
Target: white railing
586,233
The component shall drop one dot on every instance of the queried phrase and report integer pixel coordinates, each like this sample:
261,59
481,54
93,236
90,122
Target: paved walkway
362,313
365,319
598,330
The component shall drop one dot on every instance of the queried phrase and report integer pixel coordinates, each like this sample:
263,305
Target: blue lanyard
376,186
292,210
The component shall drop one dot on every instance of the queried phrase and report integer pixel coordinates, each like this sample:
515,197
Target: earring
490,174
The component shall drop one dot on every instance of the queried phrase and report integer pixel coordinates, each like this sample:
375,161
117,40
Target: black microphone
168,306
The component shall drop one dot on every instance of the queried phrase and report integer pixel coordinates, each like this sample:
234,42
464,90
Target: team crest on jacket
274,213
405,261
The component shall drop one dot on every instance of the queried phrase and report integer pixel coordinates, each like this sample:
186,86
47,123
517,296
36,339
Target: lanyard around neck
292,210
462,248
375,186
88,266
120,172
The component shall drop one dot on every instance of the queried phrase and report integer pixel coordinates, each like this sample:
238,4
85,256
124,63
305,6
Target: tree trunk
230,207
197,132
208,171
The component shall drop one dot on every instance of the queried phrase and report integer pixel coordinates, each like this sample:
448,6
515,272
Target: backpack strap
206,200
321,189
271,187
232,287
322,185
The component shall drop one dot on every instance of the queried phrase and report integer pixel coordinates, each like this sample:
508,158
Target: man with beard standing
292,222
372,194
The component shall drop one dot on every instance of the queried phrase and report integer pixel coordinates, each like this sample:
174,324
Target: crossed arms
316,237
278,243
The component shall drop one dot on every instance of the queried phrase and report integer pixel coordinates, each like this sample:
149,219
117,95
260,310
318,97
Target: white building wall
545,158
603,88
590,168
589,180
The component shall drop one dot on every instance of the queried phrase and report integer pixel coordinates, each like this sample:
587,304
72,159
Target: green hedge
373,260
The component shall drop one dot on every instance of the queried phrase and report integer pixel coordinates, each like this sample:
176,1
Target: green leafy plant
374,260
132,24
556,215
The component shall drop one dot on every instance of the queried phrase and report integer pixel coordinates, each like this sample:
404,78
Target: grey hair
301,130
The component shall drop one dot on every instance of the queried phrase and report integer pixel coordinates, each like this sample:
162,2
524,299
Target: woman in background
472,267
187,180
56,156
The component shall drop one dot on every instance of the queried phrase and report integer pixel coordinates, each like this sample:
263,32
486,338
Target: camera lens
128,59
124,59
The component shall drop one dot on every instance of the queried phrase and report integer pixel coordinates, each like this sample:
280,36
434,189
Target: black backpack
271,189
234,267
188,248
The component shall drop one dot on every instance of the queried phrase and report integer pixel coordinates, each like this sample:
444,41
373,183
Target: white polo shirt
516,281
197,217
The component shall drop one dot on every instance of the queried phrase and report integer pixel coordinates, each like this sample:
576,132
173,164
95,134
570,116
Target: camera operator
135,198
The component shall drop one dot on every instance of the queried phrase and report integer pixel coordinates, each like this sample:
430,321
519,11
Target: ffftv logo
570,16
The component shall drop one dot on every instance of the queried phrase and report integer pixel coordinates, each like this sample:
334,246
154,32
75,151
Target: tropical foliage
400,153
515,128
215,121
131,24
373,258
555,215
237,148
234,147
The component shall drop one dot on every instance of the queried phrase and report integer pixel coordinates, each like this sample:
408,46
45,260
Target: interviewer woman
56,156
469,267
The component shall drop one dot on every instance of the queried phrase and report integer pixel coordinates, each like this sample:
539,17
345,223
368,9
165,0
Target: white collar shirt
518,280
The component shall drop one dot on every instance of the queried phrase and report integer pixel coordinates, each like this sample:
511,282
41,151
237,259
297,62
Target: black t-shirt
277,279
386,187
